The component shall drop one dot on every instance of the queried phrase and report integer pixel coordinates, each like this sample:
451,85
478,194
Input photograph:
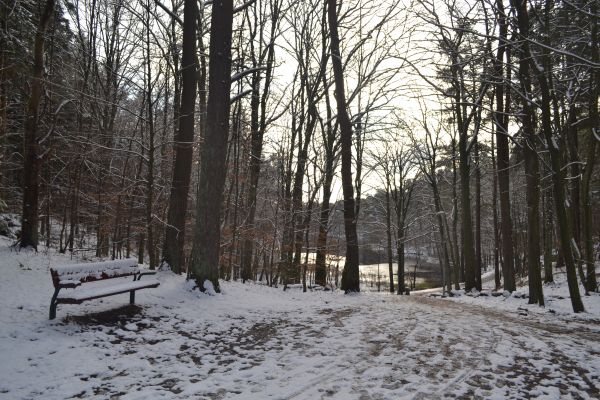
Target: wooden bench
74,276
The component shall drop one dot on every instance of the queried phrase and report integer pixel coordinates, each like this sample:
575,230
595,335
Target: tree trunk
321,256
31,156
503,154
495,214
533,211
350,274
442,224
586,199
400,245
151,150
456,253
207,234
478,263
548,234
466,221
388,231
531,164
182,169
329,139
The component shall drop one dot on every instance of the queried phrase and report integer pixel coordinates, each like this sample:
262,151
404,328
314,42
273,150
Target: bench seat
77,296
69,275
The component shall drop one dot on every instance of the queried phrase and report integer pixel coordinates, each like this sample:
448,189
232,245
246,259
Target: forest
467,130
442,149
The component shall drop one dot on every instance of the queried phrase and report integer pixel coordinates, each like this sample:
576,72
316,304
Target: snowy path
255,342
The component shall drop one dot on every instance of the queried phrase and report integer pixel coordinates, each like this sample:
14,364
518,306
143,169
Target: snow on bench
73,276
87,272
78,296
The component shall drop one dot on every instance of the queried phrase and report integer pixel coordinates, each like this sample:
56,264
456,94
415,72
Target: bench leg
53,305
132,297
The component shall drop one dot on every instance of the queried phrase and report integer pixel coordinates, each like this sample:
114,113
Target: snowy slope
556,298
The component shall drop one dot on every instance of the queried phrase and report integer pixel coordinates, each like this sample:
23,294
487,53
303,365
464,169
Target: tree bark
31,156
531,161
388,231
455,251
330,144
503,154
207,233
321,256
586,200
495,215
466,220
350,274
182,169
151,150
400,272
548,234
478,263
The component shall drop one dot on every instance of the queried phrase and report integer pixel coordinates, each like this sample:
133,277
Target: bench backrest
89,272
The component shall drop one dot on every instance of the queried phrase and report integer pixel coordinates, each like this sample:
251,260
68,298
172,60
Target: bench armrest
146,273
69,284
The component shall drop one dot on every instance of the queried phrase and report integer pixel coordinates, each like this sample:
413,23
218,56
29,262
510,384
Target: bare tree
426,151
175,230
207,232
501,120
350,275
262,57
31,158
593,138
531,161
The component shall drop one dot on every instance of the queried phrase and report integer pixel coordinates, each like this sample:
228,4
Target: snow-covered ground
255,342
556,298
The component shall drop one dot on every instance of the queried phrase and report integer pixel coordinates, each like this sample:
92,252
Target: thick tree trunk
207,234
531,164
533,216
350,274
31,156
182,169
503,155
151,150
